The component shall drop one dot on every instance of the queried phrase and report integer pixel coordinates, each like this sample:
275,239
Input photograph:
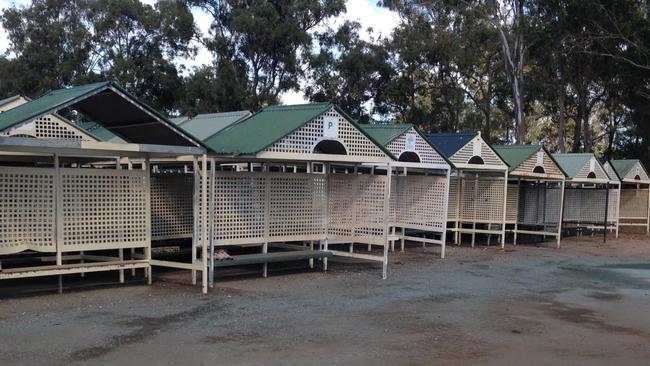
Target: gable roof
9,100
449,143
515,155
385,133
572,163
271,124
203,126
624,166
109,105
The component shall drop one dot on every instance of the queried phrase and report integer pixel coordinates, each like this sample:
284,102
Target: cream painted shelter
299,182
76,206
634,207
478,187
591,196
535,191
420,185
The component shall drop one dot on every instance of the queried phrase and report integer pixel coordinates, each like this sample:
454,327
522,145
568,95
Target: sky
366,12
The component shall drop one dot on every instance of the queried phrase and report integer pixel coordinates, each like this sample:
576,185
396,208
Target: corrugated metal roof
203,126
45,104
623,167
9,100
270,125
572,163
514,155
109,105
98,131
449,143
385,133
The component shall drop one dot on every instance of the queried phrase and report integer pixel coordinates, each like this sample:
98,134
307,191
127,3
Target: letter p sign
330,127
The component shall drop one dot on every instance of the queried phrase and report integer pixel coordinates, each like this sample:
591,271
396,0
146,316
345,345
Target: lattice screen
303,140
104,209
453,198
634,203
171,205
49,127
481,200
27,210
463,155
512,207
427,154
356,207
418,202
298,205
240,207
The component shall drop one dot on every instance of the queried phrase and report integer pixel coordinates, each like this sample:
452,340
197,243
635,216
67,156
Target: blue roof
449,143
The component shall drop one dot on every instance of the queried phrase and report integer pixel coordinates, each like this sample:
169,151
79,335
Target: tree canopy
572,74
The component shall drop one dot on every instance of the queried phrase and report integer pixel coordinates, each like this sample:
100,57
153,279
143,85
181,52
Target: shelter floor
586,303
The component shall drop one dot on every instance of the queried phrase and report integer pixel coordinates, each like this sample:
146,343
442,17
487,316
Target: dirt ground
587,303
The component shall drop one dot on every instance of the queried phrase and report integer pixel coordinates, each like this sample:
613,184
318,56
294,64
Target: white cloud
293,97
369,15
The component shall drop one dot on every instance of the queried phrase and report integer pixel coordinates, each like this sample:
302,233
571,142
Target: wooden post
147,249
58,217
120,251
459,192
386,219
474,210
195,211
514,234
204,225
559,224
211,219
505,203
445,210
618,210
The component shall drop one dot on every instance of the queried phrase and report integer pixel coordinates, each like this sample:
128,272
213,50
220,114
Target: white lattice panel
419,202
240,207
104,209
356,207
512,207
303,140
49,127
27,210
427,153
634,203
172,205
489,157
298,205
452,203
598,171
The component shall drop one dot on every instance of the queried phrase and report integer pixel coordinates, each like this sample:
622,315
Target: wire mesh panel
489,200
419,202
634,203
171,205
27,210
587,205
297,206
356,208
104,209
303,140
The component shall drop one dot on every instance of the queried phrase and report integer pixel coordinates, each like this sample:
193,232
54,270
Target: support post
120,251
559,224
514,234
445,212
459,192
195,211
389,172
147,249
505,204
204,224
58,217
211,219
606,212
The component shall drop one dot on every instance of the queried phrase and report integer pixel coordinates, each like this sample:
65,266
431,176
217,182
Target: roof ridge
295,106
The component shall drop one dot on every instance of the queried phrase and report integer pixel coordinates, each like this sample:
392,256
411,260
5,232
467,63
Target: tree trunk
561,134
577,132
487,132
586,137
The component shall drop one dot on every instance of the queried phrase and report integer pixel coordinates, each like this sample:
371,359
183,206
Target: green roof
623,167
109,105
268,126
385,133
98,131
45,104
203,126
9,100
515,155
572,163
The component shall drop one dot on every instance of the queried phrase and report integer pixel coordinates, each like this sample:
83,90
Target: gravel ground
587,303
